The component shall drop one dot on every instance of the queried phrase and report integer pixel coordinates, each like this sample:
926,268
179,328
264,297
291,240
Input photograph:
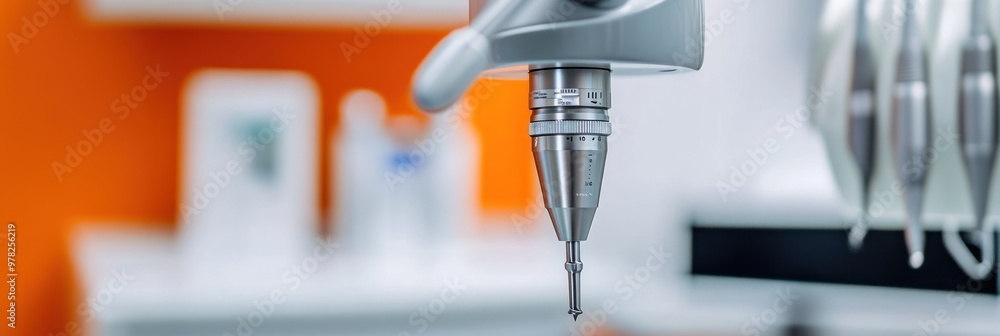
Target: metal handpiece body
571,48
911,140
569,129
978,134
861,119
978,113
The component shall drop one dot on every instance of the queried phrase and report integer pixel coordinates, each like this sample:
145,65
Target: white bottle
453,180
362,151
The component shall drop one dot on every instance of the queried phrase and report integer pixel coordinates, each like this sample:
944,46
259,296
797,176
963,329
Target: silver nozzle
569,129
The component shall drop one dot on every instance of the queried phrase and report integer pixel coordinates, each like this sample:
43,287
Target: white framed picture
249,179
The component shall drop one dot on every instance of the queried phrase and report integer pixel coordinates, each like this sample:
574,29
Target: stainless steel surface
573,267
570,143
569,132
911,132
861,123
570,170
547,127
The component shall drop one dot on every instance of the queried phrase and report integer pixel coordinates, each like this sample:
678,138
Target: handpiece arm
457,60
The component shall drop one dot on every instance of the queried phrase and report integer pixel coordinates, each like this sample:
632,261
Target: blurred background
257,167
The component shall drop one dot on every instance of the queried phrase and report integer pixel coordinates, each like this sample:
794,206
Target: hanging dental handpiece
911,130
861,119
978,133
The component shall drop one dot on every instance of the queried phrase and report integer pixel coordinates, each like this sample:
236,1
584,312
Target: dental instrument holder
571,47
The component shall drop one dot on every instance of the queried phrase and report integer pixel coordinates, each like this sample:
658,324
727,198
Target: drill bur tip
916,259
574,267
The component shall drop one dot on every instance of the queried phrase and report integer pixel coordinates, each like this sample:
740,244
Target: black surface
824,256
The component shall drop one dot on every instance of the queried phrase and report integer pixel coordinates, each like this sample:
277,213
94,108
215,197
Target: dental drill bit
911,131
861,122
573,267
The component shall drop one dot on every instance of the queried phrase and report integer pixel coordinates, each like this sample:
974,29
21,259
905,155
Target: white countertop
505,289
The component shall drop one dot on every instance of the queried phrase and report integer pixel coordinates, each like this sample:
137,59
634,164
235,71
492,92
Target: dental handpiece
569,70
861,122
911,132
569,129
978,119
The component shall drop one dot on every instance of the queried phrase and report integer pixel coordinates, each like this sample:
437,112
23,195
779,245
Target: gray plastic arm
460,57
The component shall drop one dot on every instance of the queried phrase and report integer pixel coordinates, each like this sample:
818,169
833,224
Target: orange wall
64,81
